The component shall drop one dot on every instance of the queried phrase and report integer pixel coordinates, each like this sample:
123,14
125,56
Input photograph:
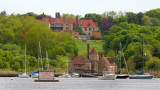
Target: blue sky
77,7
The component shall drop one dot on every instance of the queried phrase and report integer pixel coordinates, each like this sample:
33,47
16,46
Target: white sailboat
141,75
24,75
35,74
66,75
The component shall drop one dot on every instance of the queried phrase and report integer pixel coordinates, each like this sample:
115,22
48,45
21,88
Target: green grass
82,46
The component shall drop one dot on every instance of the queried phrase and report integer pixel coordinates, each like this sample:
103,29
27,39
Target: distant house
59,24
106,64
92,63
79,64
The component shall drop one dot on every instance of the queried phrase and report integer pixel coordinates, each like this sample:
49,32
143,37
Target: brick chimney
63,18
56,15
76,23
43,16
88,50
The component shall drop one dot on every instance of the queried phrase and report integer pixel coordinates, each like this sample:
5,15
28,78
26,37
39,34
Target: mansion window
89,29
85,29
67,28
93,29
80,24
66,24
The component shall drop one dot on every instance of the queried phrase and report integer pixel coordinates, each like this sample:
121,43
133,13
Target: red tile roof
97,34
88,23
93,51
85,23
79,60
109,60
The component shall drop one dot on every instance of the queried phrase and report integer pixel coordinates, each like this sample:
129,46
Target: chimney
56,15
43,16
76,23
88,50
63,18
101,55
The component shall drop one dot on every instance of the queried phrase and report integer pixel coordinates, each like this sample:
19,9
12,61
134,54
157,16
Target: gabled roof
109,60
85,23
93,51
79,60
88,23
97,34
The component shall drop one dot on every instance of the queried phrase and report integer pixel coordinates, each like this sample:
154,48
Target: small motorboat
23,75
65,75
107,75
75,75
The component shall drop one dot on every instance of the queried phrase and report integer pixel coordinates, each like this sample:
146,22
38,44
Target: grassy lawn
82,46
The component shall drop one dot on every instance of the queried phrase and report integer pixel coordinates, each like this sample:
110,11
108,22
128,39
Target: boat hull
23,75
35,75
122,76
141,77
107,77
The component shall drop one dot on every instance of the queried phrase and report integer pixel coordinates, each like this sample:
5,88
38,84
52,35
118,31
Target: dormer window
80,24
89,24
56,23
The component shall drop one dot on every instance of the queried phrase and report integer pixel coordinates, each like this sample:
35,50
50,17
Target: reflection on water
78,84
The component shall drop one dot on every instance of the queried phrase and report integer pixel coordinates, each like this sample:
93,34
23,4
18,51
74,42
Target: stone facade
70,25
106,64
92,64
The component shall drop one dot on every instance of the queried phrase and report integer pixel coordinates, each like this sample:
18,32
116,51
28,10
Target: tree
155,13
66,15
3,13
109,14
106,23
95,17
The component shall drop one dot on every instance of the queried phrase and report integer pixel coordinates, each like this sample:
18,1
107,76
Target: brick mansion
71,25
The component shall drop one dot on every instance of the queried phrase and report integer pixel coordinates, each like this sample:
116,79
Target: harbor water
10,83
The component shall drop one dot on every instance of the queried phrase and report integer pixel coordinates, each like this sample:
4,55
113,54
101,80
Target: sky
77,7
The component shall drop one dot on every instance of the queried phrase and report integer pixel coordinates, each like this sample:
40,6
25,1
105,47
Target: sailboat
66,75
35,74
122,76
141,75
24,75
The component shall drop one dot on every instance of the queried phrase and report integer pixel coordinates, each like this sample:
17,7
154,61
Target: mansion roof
82,23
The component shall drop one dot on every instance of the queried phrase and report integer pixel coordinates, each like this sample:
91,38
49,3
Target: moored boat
122,76
107,75
24,75
144,76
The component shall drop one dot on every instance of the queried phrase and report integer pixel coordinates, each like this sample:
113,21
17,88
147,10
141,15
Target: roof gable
93,51
109,60
79,60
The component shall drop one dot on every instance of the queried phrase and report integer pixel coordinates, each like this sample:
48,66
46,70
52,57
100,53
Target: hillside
82,46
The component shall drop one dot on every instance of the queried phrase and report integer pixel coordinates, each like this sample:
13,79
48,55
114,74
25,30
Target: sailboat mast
142,55
25,58
47,60
40,55
120,59
67,63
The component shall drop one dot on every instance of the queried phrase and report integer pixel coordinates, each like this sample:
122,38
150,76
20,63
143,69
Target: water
78,84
